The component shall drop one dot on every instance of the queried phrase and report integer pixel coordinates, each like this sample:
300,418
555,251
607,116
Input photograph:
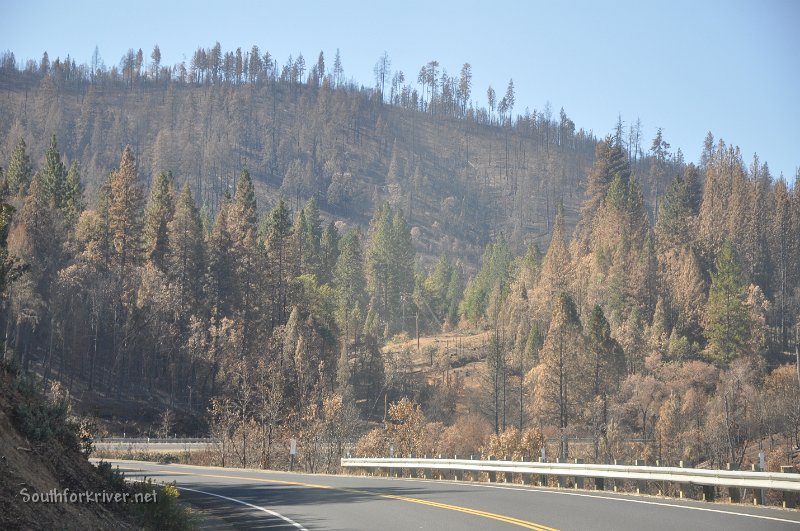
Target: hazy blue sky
731,67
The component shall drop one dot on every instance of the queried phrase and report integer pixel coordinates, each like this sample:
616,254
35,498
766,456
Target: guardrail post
683,488
662,485
412,471
734,494
456,472
709,493
641,485
509,476
542,477
527,479
561,479
758,494
789,498
618,462
578,479
492,473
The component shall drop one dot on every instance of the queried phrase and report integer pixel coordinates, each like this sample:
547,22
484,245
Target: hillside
460,178
42,465
259,258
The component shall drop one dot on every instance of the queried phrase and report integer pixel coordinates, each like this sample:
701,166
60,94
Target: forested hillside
460,171
240,243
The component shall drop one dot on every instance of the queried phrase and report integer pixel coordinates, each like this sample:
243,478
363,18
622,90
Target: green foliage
246,197
10,268
729,324
54,176
439,294
390,269
18,170
609,358
166,513
41,420
158,214
308,235
348,279
73,203
495,273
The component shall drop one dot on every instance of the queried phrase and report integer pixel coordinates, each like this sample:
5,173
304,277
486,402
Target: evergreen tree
280,259
158,214
220,264
19,170
728,323
608,357
125,213
54,178
308,235
674,223
348,278
389,268
561,388
494,274
329,253
186,252
610,161
556,276
73,199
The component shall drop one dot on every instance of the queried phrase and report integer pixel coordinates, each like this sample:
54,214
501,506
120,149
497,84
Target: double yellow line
466,510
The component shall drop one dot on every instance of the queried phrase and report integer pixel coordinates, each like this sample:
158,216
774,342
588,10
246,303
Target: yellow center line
475,512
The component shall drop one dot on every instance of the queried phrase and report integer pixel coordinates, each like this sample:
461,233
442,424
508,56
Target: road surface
248,499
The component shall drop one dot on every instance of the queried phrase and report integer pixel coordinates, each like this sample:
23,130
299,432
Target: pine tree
246,261
185,254
125,214
73,197
728,323
781,241
329,253
556,276
220,264
9,269
54,177
19,170
495,274
348,278
610,161
607,354
560,388
674,224
390,267
308,235
158,214
280,259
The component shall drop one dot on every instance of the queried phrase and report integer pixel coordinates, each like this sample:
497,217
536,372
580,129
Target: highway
249,499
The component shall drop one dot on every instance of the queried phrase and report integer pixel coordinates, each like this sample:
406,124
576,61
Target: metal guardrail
153,440
788,482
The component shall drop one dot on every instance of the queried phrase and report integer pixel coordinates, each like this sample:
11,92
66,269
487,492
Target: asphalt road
247,499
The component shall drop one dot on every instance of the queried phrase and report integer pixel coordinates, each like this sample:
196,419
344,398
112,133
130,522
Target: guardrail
538,472
153,440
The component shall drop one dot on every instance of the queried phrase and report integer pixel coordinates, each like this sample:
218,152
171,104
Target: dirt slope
40,468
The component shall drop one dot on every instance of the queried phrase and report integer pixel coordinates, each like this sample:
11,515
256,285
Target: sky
731,67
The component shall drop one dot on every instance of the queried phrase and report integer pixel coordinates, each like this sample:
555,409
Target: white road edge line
273,513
